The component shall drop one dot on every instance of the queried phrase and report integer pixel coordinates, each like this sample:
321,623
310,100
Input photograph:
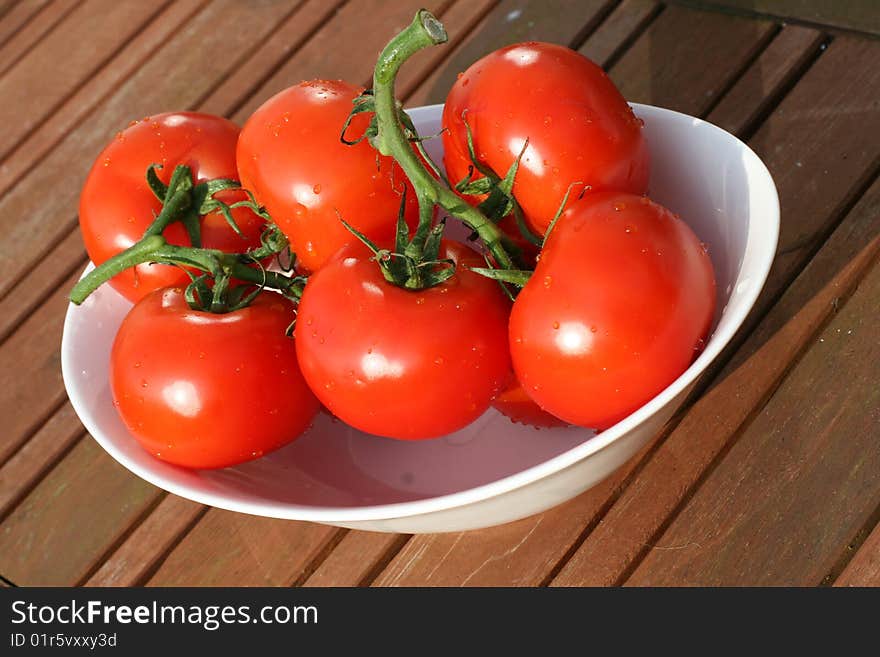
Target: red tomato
116,205
399,363
290,156
618,307
519,407
579,127
204,390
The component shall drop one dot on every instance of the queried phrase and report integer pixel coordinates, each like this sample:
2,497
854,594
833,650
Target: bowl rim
765,249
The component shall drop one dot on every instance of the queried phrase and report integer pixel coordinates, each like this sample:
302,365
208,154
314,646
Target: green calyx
186,202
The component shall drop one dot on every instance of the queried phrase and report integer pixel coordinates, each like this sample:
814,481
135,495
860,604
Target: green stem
424,31
154,248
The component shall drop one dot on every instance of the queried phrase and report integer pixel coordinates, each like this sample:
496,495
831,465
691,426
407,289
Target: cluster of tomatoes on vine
575,300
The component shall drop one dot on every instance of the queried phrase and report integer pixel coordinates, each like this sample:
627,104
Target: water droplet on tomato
619,206
144,383
106,161
548,120
629,229
317,189
137,363
420,301
438,360
556,325
593,329
548,281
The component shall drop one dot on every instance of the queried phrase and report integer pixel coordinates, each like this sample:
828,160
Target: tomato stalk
425,30
218,264
184,201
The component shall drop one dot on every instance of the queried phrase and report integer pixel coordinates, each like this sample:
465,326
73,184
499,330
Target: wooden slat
491,556
62,261
520,553
687,58
30,372
175,77
800,482
90,34
356,559
630,527
628,18
16,15
42,545
346,47
133,561
864,568
509,22
12,49
821,144
92,91
774,70
38,455
861,15
233,549
287,39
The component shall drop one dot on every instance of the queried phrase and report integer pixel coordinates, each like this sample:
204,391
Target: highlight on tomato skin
291,157
578,126
204,390
117,205
401,363
618,307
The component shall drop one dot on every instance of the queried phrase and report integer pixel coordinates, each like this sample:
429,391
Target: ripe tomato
399,363
618,307
519,407
116,204
579,127
203,390
291,157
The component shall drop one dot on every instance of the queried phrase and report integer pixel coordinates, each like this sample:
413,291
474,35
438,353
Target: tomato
117,205
579,127
207,390
516,404
400,363
619,305
291,157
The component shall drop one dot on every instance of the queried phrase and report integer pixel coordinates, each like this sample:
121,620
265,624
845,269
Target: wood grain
28,34
31,388
134,559
864,568
44,542
774,70
14,16
31,149
801,480
177,75
520,553
687,58
628,19
92,32
631,525
346,47
233,549
509,22
357,559
28,465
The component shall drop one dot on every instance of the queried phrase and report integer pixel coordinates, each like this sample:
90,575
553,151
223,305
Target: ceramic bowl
493,471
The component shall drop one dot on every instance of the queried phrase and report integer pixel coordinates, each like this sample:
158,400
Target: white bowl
493,471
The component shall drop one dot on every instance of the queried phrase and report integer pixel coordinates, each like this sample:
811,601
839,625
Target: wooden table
772,476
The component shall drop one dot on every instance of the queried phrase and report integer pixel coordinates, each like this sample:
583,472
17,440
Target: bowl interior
717,185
